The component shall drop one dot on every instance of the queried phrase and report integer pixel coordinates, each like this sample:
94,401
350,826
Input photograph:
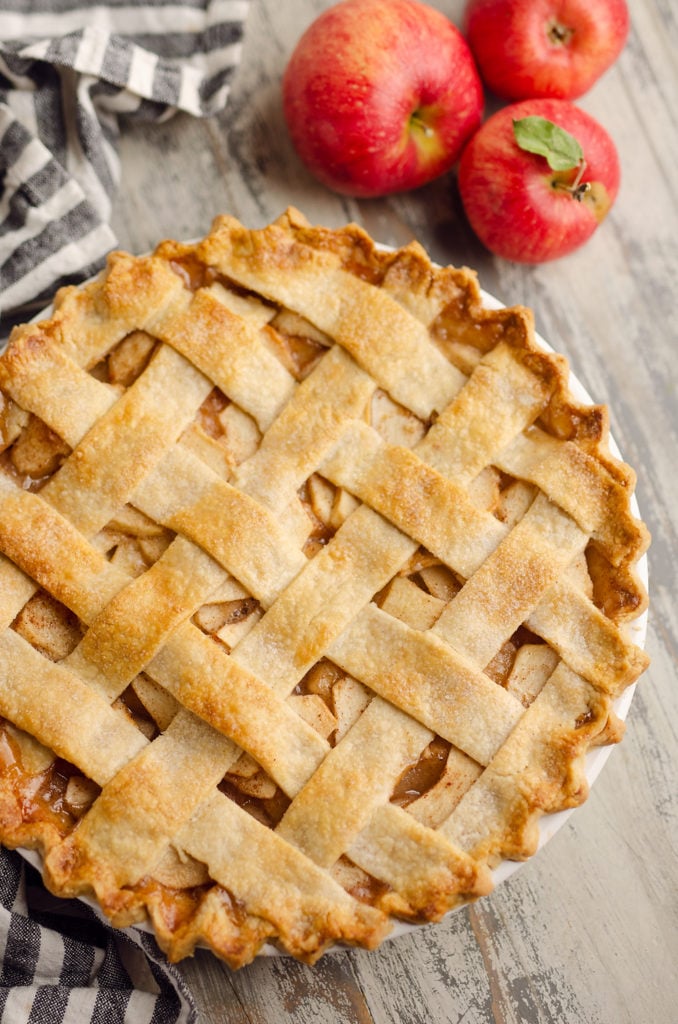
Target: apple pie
315,589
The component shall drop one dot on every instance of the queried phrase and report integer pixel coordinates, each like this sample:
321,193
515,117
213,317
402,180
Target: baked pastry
314,586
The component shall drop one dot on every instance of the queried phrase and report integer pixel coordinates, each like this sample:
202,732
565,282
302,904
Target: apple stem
417,122
559,34
578,188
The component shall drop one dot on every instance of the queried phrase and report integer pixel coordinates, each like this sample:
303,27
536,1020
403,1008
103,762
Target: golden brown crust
232,717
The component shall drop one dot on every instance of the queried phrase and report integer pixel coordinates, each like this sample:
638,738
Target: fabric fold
70,76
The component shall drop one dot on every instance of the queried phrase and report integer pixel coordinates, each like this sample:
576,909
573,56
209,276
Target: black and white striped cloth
70,74
62,965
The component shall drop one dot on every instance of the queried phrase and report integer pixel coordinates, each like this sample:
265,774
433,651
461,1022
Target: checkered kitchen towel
70,75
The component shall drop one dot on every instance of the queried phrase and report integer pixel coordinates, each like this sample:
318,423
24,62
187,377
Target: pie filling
428,718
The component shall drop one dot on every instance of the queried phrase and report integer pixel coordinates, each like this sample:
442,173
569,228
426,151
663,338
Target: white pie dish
596,759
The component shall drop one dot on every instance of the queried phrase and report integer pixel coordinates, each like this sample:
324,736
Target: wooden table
586,932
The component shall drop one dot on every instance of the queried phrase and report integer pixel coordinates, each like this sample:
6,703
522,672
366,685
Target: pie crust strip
536,771
391,345
428,680
280,884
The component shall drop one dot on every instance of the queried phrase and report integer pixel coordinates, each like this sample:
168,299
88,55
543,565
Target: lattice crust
313,589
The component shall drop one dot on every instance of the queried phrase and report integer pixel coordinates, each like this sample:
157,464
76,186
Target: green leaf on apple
543,137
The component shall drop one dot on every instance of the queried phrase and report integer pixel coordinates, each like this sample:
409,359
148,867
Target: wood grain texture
587,932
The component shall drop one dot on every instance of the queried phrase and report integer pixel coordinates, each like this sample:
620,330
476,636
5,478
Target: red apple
380,96
518,205
527,48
